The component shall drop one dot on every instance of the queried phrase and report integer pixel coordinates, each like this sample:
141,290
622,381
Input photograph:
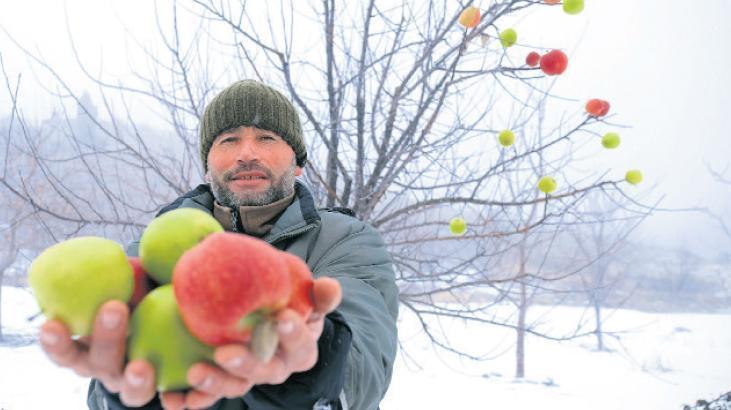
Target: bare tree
601,239
401,106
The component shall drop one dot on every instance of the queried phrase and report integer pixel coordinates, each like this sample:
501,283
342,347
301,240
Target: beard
279,188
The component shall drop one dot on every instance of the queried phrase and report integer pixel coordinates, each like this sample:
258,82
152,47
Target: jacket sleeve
99,398
361,263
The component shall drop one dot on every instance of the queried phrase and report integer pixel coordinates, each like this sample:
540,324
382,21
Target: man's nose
247,151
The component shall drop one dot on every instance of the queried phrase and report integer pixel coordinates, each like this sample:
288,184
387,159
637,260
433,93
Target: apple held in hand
168,236
72,279
141,288
554,62
470,17
301,279
547,185
228,285
159,336
597,108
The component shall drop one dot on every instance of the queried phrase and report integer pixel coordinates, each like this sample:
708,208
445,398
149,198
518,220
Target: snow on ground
660,361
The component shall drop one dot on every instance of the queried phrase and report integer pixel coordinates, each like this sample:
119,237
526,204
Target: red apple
532,59
597,108
141,288
228,284
552,1
554,62
301,278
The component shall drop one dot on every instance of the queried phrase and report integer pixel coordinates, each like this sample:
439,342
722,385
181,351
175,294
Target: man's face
250,166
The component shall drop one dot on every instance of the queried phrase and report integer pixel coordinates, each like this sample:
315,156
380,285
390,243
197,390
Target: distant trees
401,105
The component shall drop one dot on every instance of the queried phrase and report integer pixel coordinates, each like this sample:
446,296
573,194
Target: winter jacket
359,340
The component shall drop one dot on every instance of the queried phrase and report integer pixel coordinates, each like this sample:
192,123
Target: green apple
573,6
506,138
73,278
547,184
158,335
457,226
633,176
167,237
610,140
508,37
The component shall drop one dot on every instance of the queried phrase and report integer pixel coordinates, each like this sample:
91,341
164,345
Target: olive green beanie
253,104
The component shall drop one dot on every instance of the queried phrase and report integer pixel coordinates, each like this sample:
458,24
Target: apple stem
264,339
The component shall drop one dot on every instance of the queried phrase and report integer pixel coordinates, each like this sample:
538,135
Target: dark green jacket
340,246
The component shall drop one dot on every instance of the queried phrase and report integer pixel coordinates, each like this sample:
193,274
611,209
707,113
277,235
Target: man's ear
297,171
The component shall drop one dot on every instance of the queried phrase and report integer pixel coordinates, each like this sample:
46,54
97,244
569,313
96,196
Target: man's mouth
248,176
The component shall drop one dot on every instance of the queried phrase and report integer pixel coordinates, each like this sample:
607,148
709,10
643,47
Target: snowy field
659,361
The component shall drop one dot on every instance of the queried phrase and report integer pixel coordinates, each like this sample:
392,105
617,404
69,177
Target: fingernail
48,339
285,327
206,383
235,362
111,320
134,380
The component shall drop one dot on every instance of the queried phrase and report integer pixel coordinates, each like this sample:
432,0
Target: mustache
247,167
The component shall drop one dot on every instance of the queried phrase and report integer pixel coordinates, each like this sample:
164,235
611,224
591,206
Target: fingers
61,349
138,385
327,295
297,341
214,381
198,400
108,341
172,400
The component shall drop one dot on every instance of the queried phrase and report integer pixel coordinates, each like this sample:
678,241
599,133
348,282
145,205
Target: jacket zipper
290,234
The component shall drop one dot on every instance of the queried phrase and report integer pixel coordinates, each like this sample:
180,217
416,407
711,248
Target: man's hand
101,355
238,369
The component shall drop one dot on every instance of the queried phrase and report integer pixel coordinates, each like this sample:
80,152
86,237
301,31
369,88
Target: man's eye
228,140
267,138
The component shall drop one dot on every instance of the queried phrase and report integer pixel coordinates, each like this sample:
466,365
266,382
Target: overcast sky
663,65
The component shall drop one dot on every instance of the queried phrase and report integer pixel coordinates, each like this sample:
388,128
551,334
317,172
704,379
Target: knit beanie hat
252,104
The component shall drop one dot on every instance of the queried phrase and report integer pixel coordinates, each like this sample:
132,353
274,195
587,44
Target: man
341,357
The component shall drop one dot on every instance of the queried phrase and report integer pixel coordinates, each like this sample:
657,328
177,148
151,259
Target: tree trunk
598,324
2,273
520,342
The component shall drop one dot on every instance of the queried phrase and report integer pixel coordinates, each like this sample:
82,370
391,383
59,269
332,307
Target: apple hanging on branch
597,107
457,226
573,6
508,37
554,62
633,176
506,138
470,17
610,140
533,59
547,185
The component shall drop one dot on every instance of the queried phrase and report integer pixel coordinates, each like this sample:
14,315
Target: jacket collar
299,217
